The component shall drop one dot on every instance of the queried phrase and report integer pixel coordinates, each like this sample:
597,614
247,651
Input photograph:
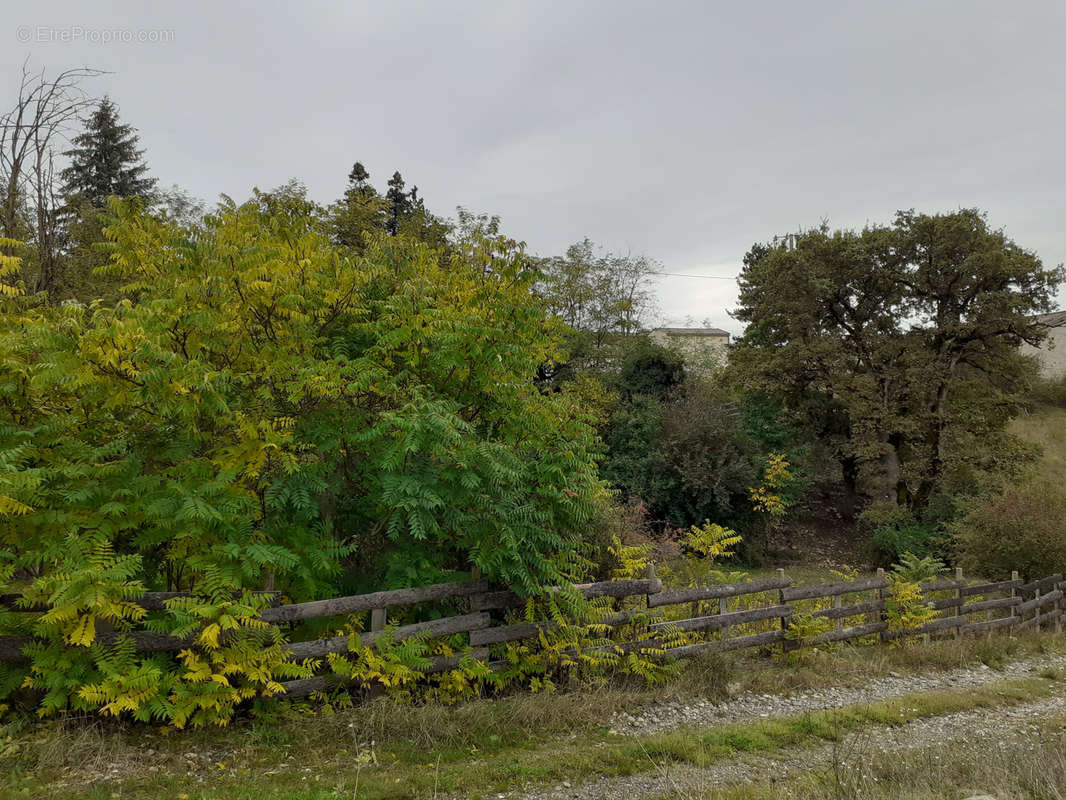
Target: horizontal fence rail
768,606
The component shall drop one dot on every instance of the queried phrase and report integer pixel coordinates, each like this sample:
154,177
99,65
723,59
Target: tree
359,179
399,203
605,298
44,112
105,160
363,212
270,407
359,213
902,338
599,292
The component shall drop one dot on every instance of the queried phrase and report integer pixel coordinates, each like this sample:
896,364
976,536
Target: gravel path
981,725
975,725
755,706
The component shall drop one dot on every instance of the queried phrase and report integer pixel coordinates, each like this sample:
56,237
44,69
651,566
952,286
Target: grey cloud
684,130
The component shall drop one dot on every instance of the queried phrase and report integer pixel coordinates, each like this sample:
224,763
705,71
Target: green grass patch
1029,764
1046,426
376,772
705,747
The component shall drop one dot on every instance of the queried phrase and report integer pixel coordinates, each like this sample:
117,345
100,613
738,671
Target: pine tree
399,203
105,160
359,212
358,182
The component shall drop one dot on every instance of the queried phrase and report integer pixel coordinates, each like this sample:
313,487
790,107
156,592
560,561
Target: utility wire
708,277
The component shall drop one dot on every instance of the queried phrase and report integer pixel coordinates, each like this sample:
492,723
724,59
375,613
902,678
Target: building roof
693,331
1056,319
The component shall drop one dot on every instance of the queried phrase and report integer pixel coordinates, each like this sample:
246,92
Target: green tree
105,160
271,412
399,203
362,212
359,214
606,300
599,292
266,406
901,339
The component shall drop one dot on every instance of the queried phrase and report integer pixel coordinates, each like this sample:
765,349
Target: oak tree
902,339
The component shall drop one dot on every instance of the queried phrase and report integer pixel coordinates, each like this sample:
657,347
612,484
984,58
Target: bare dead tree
48,206
45,112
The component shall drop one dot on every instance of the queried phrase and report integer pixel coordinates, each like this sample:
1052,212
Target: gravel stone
979,725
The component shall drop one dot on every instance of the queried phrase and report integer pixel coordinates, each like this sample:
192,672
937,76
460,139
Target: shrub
263,410
894,531
707,449
914,569
890,543
1023,528
1050,392
614,525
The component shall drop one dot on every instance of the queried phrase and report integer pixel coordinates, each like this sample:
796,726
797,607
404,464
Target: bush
889,544
1050,392
262,410
894,531
1023,529
616,523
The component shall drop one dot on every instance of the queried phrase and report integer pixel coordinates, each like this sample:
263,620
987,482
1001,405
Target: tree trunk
897,489
849,468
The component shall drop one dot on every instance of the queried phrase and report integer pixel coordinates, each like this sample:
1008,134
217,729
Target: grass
481,747
708,747
1032,766
1047,428
802,574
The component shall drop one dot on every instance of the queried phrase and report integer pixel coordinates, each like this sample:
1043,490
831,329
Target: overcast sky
682,130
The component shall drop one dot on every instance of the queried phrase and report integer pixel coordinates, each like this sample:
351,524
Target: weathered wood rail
763,609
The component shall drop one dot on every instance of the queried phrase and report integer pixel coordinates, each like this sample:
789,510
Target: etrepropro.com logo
71,34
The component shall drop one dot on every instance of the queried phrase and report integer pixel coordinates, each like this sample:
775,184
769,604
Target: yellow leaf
209,635
84,631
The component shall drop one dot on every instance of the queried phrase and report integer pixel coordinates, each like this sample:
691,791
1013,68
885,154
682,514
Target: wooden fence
734,616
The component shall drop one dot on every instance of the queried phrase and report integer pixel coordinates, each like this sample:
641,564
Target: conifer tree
362,211
359,212
105,160
358,181
399,203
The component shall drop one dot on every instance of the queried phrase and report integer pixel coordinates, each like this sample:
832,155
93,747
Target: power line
708,277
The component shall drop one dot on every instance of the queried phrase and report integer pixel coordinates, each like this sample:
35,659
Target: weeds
491,745
1031,766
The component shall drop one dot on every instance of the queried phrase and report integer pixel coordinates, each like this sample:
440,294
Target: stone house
702,348
1052,353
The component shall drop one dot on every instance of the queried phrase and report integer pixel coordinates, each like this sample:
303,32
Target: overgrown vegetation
484,747
264,411
1019,523
282,396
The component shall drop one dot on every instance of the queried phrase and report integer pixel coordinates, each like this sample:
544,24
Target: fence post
1036,615
881,595
1013,594
1058,608
694,608
377,619
649,573
786,645
959,598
